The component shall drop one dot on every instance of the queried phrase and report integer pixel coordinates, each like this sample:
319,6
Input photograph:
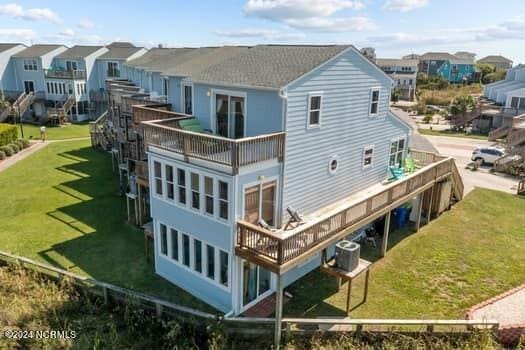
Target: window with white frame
163,239
187,94
170,188
374,101
368,156
30,65
208,195
113,70
195,194
181,183
157,173
165,86
314,110
397,151
200,257
223,200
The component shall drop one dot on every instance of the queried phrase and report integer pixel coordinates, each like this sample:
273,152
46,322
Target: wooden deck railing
516,137
157,111
127,102
279,248
233,153
65,74
137,151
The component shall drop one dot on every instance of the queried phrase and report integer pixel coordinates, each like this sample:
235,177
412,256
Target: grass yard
70,131
444,97
60,206
469,254
452,133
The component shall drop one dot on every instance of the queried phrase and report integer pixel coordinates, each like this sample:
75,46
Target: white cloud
311,15
32,14
22,34
259,33
404,5
68,32
288,9
86,24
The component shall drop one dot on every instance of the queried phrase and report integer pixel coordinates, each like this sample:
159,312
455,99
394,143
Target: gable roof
120,44
396,62
437,56
495,58
159,59
37,50
119,52
79,51
7,46
268,66
197,60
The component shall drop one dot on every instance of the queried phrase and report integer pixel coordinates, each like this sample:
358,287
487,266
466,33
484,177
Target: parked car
487,154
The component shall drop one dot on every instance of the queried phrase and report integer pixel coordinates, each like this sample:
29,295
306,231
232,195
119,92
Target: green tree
485,69
497,75
459,108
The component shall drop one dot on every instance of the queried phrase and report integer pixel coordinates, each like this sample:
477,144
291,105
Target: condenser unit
347,255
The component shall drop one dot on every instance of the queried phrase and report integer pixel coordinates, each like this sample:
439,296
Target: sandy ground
508,310
461,149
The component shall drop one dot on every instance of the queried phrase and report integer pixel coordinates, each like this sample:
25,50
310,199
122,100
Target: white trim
213,112
183,85
405,148
260,183
309,102
367,148
34,85
258,298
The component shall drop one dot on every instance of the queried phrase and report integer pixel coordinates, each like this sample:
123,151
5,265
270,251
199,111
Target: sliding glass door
229,115
259,203
256,282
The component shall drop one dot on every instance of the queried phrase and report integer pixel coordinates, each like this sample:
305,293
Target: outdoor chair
395,173
410,165
294,218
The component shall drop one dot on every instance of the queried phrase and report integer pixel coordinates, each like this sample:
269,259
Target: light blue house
7,70
450,67
303,127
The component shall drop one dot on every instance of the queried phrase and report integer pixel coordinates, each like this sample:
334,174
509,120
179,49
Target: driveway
461,149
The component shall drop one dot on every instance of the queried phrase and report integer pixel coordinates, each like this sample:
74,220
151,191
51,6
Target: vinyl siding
345,129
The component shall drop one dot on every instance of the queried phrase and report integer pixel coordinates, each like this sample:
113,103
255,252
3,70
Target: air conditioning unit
347,255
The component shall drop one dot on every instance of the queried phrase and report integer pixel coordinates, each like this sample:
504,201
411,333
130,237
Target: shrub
19,143
15,147
8,134
25,143
7,150
2,155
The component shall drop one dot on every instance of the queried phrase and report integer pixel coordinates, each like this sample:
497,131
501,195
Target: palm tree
460,107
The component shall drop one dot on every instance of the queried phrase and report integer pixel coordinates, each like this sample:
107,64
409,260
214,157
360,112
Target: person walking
43,133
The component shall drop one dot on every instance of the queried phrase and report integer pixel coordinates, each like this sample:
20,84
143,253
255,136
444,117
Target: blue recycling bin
400,217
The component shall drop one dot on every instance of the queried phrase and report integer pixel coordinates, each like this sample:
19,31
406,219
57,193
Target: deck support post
418,211
278,312
384,243
429,211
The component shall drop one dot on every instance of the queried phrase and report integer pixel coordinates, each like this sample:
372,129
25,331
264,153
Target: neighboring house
412,56
497,61
7,70
465,55
404,74
71,75
447,66
249,132
509,92
30,66
369,52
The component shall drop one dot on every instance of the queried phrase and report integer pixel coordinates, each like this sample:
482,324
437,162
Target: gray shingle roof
37,50
382,62
197,60
159,59
438,56
7,46
120,44
495,58
79,51
119,53
271,66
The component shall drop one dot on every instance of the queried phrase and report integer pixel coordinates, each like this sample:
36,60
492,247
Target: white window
208,195
170,189
163,239
315,102
181,183
374,101
30,65
157,173
223,200
397,151
195,191
197,255
186,250
210,261
71,65
223,268
174,244
368,156
187,98
113,70
29,86
333,165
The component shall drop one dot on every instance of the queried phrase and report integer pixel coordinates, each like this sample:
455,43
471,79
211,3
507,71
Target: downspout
283,94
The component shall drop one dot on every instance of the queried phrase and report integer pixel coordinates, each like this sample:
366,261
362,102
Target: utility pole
20,119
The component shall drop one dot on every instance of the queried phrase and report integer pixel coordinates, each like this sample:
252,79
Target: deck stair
59,113
463,120
22,103
100,132
499,133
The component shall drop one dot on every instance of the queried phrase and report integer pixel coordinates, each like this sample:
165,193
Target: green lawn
469,254
452,134
55,132
60,206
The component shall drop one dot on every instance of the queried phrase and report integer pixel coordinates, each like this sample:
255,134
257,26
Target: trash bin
400,217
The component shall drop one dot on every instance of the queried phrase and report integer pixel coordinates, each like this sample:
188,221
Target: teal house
452,68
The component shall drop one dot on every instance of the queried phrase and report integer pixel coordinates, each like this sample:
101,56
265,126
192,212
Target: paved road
461,149
417,141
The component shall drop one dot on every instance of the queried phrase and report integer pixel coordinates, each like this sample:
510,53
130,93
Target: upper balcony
55,73
280,250
164,129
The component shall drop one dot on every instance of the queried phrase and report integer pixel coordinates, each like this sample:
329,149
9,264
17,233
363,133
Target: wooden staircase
499,133
458,188
22,103
100,132
60,113
463,120
521,188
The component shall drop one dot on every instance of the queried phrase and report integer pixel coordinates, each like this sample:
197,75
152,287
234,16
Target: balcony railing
277,250
232,153
156,111
130,100
78,74
137,151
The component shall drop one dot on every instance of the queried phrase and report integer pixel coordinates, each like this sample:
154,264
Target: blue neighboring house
7,67
450,67
247,139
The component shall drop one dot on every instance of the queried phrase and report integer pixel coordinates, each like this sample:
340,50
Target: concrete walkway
9,161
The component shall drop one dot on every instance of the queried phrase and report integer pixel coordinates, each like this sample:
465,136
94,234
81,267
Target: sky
393,27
